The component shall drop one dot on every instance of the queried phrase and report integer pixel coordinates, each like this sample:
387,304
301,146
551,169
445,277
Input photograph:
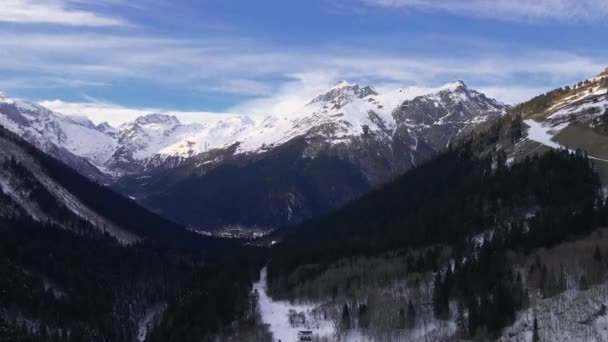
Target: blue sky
272,56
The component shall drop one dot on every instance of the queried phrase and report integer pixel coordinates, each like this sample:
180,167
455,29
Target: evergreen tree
345,317
402,324
461,320
441,298
411,315
597,255
583,284
535,332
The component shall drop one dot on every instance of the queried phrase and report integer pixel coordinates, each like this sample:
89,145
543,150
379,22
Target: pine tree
411,315
402,324
461,320
562,284
473,319
583,284
437,294
535,335
441,298
597,255
345,317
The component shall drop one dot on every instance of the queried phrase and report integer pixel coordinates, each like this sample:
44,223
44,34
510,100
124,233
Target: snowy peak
158,119
342,93
343,84
454,86
107,129
338,117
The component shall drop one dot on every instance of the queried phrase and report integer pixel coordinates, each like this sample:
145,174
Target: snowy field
276,314
543,134
571,316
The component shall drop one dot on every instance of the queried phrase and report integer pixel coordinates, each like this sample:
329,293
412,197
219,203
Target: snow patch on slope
276,313
543,133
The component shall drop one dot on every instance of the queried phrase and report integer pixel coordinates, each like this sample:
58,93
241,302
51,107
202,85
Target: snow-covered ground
571,316
543,133
147,322
276,314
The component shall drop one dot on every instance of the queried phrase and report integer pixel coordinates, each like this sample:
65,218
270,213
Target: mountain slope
73,140
505,245
80,262
42,188
448,243
573,117
341,144
343,115
344,142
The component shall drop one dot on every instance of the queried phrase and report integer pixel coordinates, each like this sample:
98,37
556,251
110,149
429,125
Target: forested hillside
431,206
447,240
79,262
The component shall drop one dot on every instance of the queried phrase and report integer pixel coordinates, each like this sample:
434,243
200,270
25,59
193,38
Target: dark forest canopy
70,281
450,198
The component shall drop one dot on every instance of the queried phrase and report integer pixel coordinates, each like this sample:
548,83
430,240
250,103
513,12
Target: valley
344,142
332,232
303,171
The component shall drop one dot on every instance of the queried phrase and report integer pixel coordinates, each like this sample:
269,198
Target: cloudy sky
125,56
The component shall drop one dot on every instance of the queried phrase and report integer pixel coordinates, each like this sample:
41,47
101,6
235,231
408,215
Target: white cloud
513,94
282,80
232,65
47,83
115,115
517,10
290,96
57,12
239,87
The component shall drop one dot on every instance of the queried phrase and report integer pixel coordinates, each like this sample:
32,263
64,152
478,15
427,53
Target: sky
118,58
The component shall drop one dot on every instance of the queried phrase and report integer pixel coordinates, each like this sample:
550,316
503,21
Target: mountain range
228,170
469,220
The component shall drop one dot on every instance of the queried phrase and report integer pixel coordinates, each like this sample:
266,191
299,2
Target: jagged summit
5,98
335,118
344,84
344,92
454,85
157,118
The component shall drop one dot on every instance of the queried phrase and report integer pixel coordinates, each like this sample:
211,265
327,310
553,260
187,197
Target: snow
339,116
86,142
579,108
565,317
275,313
147,322
75,134
543,134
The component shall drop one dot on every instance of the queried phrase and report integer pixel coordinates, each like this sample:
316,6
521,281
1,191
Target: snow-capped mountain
342,143
343,114
74,140
279,170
